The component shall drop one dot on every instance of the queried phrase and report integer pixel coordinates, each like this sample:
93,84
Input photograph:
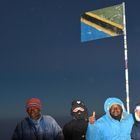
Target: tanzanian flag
102,23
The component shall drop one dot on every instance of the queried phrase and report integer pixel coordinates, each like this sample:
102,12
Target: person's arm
58,134
93,132
17,133
67,132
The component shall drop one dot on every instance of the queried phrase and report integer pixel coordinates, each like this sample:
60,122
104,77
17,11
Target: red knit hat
33,102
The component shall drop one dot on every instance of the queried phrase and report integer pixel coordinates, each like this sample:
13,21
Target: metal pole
126,60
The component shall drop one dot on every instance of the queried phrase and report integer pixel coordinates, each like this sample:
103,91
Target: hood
136,118
110,101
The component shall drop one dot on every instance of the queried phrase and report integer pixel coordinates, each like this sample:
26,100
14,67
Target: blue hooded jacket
107,128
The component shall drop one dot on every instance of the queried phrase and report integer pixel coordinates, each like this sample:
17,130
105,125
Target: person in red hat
37,126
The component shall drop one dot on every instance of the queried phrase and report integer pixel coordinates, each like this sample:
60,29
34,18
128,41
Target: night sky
41,55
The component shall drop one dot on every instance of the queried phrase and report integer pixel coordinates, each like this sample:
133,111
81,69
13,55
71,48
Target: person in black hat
76,128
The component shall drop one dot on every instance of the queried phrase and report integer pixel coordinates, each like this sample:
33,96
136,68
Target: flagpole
126,60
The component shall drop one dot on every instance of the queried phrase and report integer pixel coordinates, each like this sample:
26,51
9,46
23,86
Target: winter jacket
75,130
135,134
107,128
26,130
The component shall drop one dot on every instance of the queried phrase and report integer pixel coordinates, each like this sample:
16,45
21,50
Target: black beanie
77,103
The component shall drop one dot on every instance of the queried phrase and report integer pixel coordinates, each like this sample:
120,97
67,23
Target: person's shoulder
49,120
48,117
69,124
98,122
71,121
128,116
102,119
22,122
131,117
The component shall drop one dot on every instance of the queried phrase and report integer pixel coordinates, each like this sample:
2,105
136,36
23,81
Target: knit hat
33,102
77,103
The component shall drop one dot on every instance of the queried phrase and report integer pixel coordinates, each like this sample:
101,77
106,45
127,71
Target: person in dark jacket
76,128
37,126
135,134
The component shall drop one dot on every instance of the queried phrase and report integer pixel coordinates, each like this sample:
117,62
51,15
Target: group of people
116,124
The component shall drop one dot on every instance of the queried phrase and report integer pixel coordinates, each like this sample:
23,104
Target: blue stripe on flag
90,33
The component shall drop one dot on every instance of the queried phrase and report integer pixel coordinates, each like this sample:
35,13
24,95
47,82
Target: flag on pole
107,22
102,23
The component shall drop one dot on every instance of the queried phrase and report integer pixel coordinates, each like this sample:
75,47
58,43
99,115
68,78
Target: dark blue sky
41,56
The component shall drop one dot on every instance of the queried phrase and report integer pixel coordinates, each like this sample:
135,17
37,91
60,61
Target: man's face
116,111
33,112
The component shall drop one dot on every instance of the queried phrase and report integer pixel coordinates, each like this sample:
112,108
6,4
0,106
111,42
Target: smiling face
116,111
33,112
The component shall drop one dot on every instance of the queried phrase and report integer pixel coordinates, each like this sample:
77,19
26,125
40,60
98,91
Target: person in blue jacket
116,124
37,126
135,134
